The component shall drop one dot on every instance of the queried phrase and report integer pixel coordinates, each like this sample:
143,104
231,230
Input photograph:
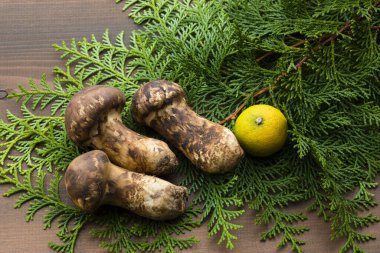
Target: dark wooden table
27,30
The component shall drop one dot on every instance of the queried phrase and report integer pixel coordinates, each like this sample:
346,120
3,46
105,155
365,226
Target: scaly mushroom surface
162,106
93,117
91,180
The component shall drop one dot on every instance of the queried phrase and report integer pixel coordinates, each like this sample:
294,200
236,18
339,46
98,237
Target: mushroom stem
123,147
193,135
144,195
92,180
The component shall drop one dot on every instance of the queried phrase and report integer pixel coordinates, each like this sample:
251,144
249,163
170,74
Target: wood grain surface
27,30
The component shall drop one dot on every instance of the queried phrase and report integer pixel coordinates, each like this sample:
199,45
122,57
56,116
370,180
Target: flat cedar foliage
318,61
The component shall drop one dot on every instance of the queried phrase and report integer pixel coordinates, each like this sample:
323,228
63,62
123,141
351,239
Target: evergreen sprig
318,61
34,193
120,232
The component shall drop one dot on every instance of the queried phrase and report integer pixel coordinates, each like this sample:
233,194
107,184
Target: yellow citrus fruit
261,130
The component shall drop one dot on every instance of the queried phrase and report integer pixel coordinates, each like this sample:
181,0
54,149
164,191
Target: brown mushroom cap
85,180
153,96
88,107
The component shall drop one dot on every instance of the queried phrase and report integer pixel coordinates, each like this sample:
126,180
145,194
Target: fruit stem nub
259,120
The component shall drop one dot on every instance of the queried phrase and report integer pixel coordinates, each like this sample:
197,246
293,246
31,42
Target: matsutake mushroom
93,116
92,180
162,106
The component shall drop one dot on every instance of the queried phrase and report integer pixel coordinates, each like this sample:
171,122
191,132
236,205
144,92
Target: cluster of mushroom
93,118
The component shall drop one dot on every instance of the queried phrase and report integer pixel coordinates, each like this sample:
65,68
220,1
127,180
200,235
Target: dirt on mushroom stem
126,147
162,106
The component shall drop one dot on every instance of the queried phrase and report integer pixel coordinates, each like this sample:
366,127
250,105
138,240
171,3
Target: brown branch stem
299,65
234,115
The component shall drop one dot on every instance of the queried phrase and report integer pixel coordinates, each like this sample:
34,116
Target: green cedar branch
283,74
40,134
268,191
120,231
